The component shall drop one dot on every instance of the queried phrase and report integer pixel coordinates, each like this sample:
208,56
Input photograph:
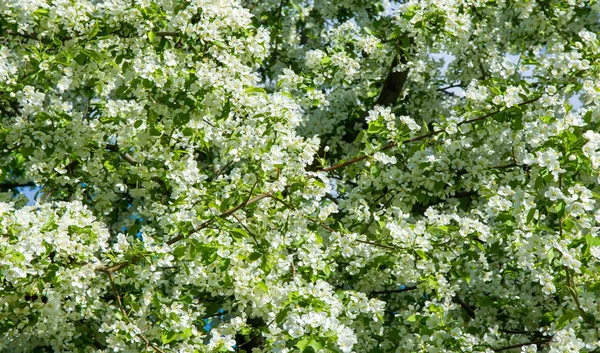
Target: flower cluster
300,176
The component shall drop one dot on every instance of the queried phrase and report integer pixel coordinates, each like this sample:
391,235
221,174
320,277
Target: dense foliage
300,175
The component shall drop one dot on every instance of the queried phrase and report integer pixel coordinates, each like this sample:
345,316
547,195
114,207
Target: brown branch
391,291
278,31
167,34
571,290
536,342
457,299
213,315
223,215
383,207
246,228
206,224
482,69
418,138
271,193
109,270
389,247
519,332
394,82
6,186
32,36
385,148
483,117
117,295
441,89
570,285
126,156
293,267
388,96
331,198
324,226
126,316
504,166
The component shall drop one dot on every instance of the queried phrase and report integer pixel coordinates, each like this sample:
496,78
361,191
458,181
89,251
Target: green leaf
302,344
256,90
220,44
530,215
315,345
238,233
180,252
565,319
375,127
594,287
18,257
421,254
187,333
412,318
375,170
254,256
282,315
485,301
480,246
550,255
588,116
592,240
568,88
262,285
168,336
517,123
151,36
94,31
109,165
181,119
188,131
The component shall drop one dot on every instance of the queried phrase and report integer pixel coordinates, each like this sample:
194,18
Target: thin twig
278,31
293,267
126,316
385,148
541,341
483,117
324,226
9,186
167,34
418,138
223,215
126,156
458,299
450,86
204,225
246,228
391,291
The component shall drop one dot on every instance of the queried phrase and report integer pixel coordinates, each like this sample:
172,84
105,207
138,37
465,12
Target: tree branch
126,316
388,96
167,34
387,147
223,215
518,345
7,186
418,138
459,300
483,117
392,291
126,156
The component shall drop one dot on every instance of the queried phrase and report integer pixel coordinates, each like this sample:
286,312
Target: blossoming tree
300,176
